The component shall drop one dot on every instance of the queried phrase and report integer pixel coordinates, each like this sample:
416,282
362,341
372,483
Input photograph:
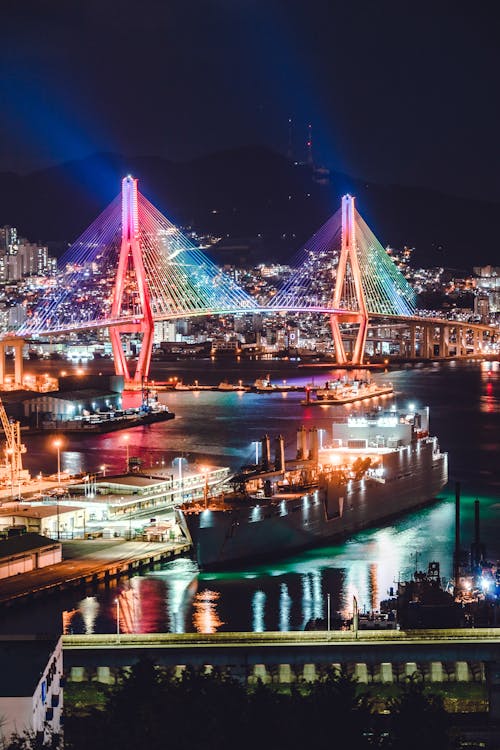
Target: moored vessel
376,466
344,391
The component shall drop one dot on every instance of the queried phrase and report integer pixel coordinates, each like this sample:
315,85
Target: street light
10,454
103,469
179,460
321,432
57,444
256,443
117,602
205,470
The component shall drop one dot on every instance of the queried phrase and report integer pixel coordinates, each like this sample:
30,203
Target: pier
91,564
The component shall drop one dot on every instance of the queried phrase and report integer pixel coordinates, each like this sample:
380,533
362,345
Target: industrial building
25,552
55,521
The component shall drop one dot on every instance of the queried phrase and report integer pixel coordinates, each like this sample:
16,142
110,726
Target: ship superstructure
374,466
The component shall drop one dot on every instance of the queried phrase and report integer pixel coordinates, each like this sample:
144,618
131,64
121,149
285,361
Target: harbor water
219,428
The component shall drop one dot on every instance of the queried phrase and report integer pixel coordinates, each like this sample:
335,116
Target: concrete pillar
309,672
462,672
361,673
413,340
2,364
444,341
424,342
436,671
493,685
260,673
386,674
477,340
104,676
461,341
18,362
77,674
410,668
284,674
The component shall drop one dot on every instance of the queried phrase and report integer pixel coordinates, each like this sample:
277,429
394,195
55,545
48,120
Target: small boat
225,386
347,392
263,385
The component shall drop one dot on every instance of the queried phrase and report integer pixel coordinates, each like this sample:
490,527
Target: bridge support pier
476,342
426,342
17,345
444,341
413,340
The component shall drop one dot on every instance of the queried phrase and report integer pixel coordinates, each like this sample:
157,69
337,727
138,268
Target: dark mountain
246,192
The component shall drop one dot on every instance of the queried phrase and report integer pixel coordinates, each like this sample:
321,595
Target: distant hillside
245,192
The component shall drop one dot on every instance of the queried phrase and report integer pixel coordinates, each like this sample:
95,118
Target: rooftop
14,545
35,511
131,480
82,394
23,661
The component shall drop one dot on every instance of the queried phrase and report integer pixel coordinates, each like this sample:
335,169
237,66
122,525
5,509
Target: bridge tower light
131,252
349,260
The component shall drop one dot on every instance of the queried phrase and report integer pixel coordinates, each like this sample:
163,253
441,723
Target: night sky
399,92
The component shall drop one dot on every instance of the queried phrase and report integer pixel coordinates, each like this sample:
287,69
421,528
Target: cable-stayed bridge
132,268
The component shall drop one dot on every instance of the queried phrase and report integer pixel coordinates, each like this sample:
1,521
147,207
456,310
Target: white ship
374,467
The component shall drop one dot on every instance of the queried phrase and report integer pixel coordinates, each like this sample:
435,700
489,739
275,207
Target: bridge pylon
131,294
348,292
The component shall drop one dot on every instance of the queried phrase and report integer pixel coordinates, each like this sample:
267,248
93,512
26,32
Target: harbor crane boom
14,449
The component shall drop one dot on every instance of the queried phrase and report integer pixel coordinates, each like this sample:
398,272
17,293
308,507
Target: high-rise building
488,283
8,240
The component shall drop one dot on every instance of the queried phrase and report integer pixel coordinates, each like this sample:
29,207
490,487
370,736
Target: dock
88,563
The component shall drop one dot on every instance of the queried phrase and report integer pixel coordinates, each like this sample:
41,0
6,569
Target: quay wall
93,576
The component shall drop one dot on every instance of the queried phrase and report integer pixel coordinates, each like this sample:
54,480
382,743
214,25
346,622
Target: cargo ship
375,467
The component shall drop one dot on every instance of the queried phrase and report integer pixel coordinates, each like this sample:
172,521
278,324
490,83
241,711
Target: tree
418,719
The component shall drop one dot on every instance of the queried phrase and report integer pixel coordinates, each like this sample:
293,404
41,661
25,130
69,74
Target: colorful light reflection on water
286,594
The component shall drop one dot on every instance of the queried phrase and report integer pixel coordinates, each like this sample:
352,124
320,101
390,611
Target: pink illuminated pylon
131,258
348,254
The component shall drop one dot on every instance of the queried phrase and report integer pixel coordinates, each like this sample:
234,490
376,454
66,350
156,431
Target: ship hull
227,538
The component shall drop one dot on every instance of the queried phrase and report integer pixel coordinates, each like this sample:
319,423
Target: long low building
57,521
25,552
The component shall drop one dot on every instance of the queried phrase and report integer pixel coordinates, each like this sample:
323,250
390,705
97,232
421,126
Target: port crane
12,471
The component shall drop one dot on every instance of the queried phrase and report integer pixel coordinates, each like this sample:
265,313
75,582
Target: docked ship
347,392
375,467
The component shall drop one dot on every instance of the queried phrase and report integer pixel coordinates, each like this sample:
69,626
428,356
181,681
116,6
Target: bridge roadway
370,655
26,331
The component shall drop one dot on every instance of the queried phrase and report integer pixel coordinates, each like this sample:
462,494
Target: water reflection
286,594
282,596
258,607
285,607
205,616
89,609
